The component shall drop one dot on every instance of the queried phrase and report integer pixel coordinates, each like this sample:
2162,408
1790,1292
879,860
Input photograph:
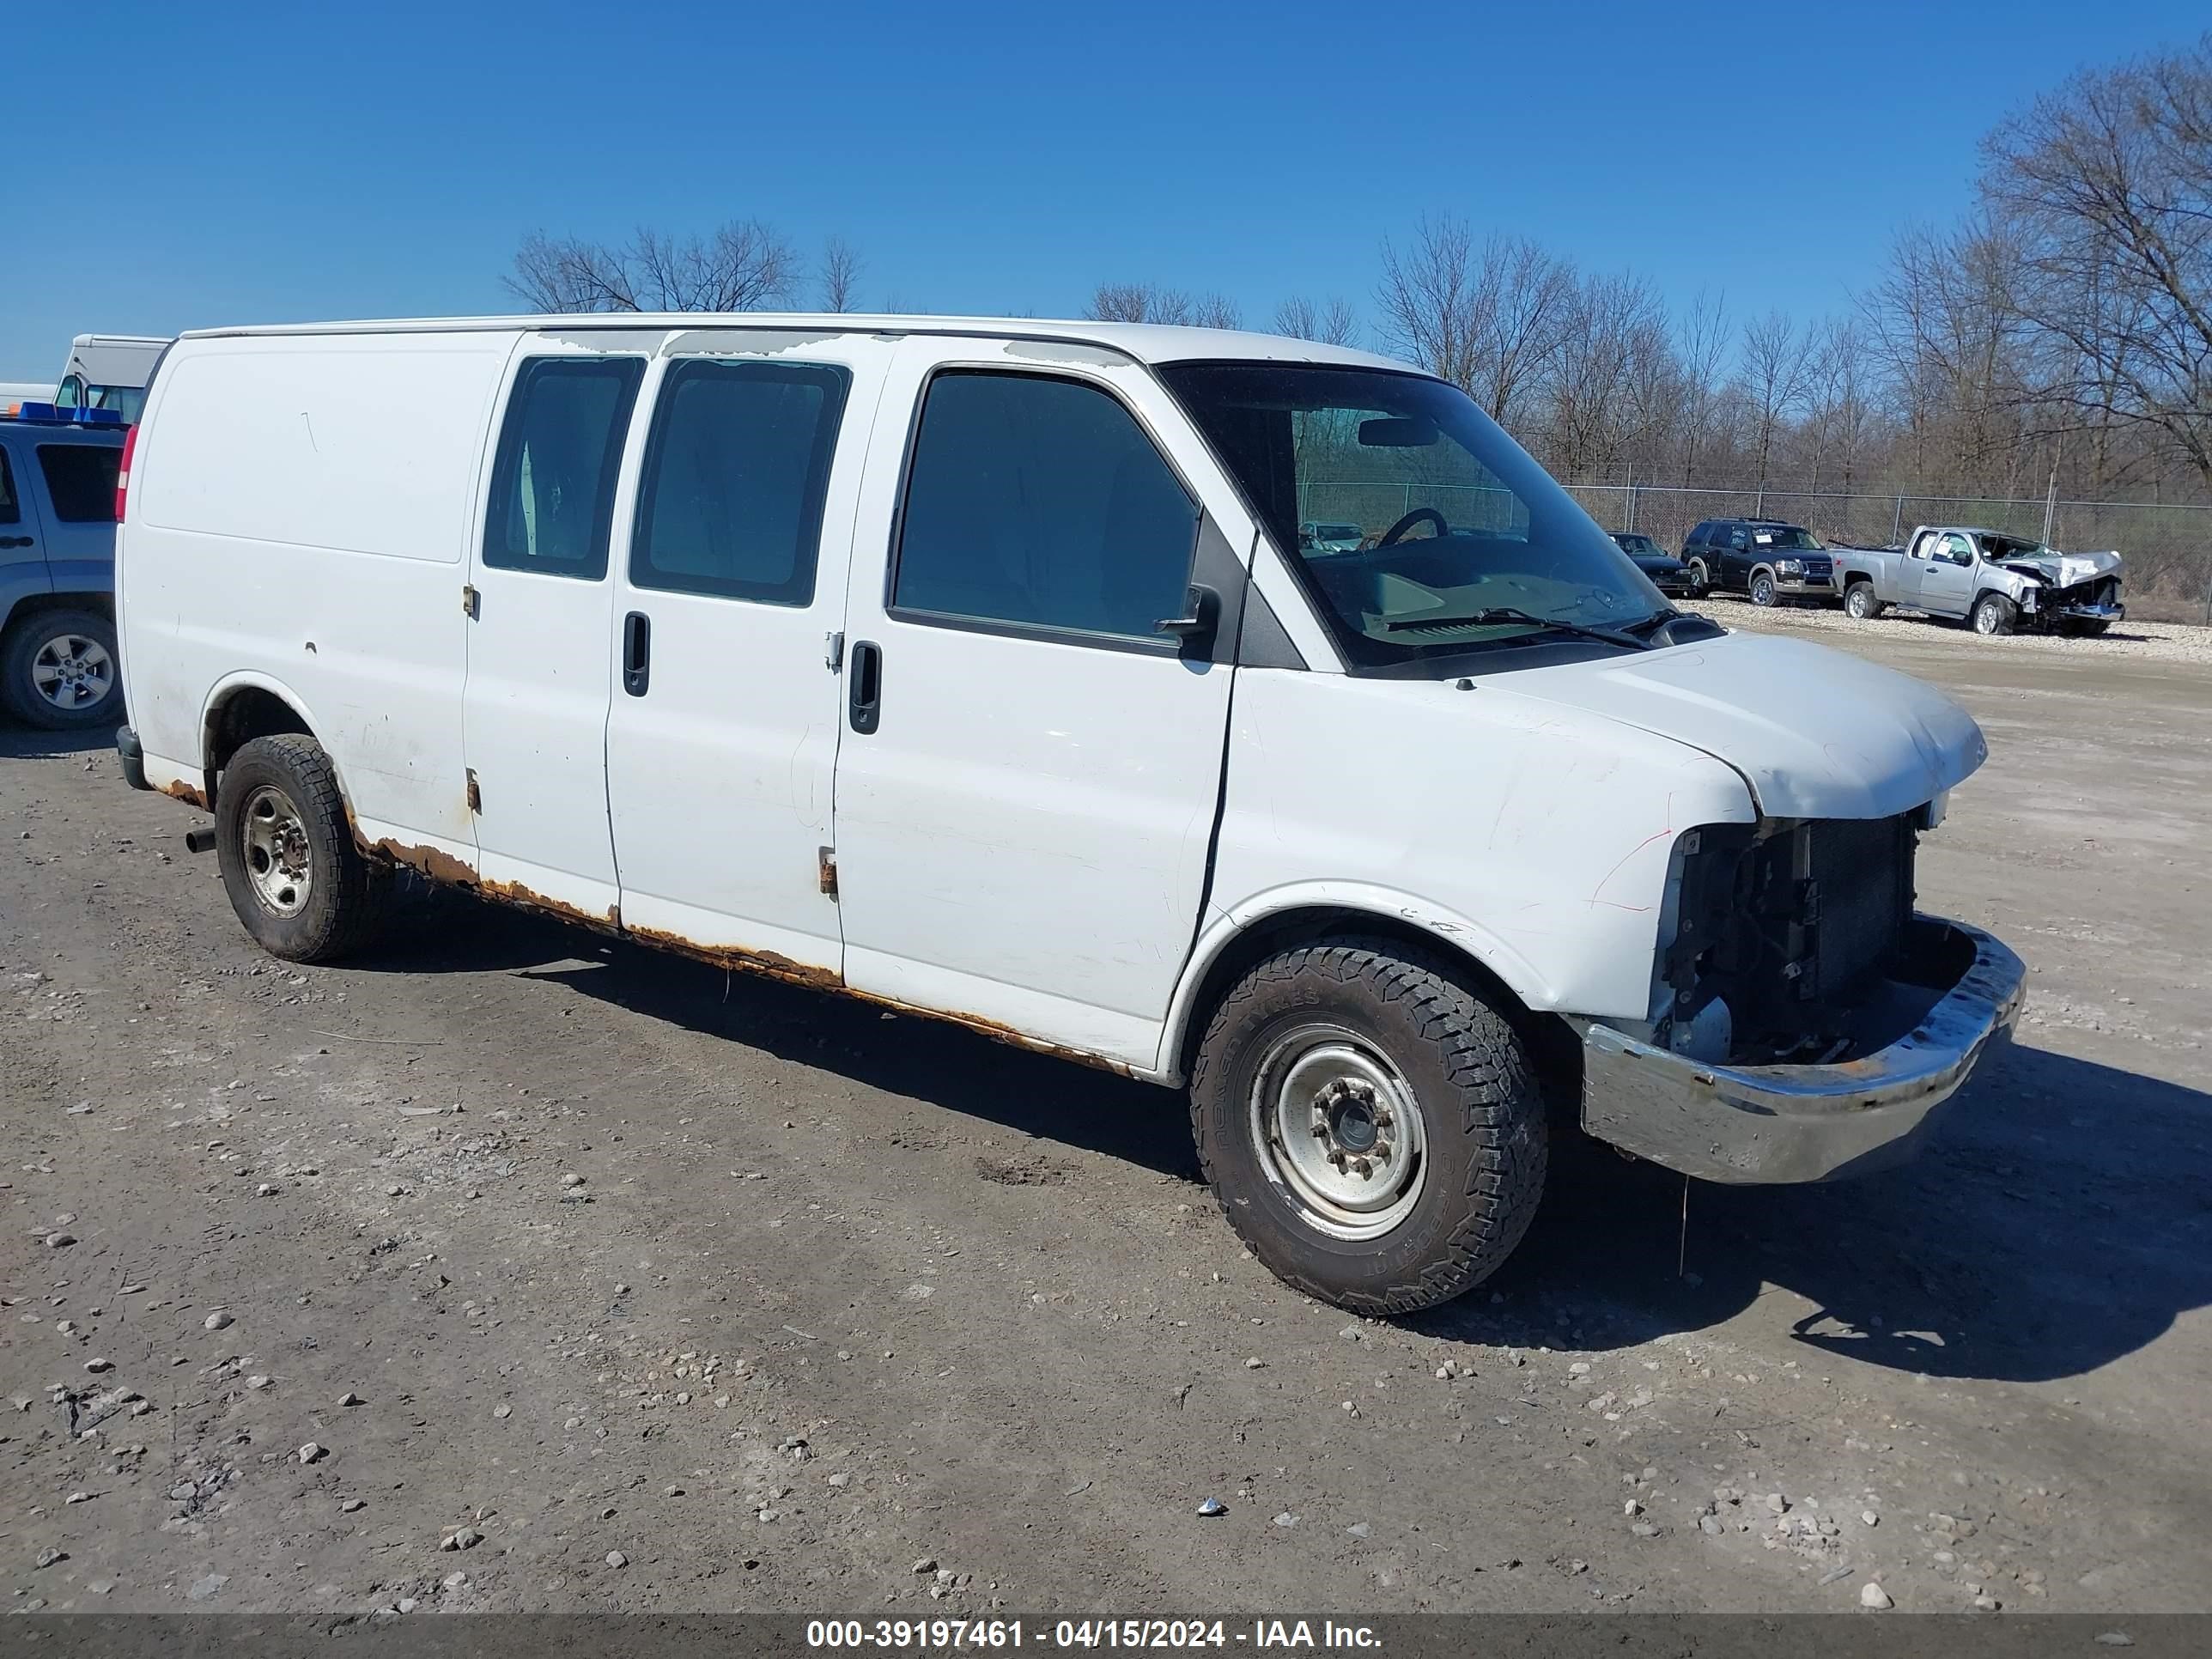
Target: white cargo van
979,668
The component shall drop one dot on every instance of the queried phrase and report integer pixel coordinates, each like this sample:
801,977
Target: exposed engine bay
1782,940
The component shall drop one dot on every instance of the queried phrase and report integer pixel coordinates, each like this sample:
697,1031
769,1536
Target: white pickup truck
1992,582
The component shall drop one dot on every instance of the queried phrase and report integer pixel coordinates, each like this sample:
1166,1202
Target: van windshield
1458,526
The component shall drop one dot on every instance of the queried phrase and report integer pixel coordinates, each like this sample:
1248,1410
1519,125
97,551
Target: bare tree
1146,302
1774,374
1331,322
1945,323
1838,380
1487,319
2107,185
841,265
742,266
1702,344
1605,323
1215,311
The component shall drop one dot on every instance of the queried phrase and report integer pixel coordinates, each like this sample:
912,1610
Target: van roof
1145,343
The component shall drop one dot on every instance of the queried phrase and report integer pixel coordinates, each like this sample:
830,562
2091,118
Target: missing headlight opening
1786,938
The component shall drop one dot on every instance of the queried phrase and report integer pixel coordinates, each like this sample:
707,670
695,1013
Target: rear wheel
1992,614
1371,1124
1860,603
289,865
1762,590
57,670
1701,581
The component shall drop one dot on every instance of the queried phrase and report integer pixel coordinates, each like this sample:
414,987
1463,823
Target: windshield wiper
1506,613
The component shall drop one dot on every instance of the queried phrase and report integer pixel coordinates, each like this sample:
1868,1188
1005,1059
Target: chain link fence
2168,547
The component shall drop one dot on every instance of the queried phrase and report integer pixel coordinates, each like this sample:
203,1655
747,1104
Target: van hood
1816,734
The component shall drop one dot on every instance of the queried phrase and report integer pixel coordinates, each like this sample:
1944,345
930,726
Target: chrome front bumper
1761,1124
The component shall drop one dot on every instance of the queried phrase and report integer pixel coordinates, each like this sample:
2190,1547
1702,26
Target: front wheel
1370,1123
57,670
1860,603
2086,628
1762,590
1992,614
289,860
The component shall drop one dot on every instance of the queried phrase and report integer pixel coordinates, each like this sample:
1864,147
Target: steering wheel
1390,535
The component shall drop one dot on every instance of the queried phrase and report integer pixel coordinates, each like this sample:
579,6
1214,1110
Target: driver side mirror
1198,624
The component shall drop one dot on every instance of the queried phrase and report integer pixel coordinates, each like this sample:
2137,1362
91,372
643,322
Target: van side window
81,481
1036,500
553,481
730,502
10,512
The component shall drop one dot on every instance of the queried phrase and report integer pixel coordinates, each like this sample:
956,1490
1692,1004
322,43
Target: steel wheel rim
273,843
73,672
1337,1132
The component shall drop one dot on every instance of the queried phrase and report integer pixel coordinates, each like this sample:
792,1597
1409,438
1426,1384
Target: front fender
1225,928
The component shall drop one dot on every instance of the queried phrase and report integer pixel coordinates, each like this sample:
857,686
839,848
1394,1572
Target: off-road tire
1763,593
1860,603
1992,614
19,652
345,891
1470,1076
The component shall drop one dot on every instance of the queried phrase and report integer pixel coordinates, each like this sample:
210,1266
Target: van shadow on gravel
920,1059
2058,1218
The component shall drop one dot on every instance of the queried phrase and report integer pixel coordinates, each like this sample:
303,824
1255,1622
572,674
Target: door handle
864,685
16,541
637,652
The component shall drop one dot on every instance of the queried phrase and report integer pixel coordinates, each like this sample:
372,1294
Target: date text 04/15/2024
926,1633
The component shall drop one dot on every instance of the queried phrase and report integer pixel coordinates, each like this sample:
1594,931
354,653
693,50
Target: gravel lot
510,1269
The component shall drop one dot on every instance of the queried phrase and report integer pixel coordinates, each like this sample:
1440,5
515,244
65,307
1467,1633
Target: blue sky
237,162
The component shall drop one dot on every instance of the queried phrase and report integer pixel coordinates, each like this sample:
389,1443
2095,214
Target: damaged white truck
1993,582
978,669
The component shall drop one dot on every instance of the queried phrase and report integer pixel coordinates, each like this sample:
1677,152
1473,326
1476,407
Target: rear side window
553,481
10,512
81,481
738,462
1041,502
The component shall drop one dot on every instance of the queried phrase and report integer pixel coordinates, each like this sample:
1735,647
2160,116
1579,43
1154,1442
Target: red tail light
123,472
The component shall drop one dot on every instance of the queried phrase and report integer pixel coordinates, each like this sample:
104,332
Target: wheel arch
1982,595
244,705
1235,941
34,605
